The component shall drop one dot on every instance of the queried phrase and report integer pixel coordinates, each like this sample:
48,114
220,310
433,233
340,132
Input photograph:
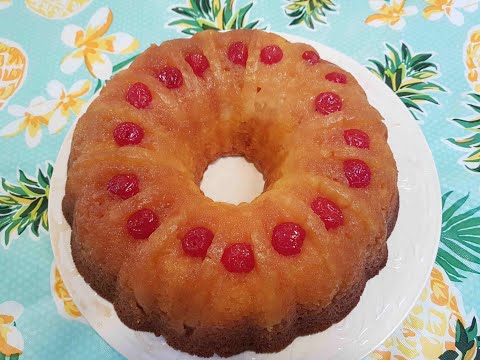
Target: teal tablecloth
55,54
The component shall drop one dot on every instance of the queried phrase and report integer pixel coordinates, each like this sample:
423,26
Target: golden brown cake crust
197,305
246,336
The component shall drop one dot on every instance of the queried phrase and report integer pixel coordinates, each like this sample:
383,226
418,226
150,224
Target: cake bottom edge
246,335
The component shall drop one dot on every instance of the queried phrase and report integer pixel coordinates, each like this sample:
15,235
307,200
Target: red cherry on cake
238,258
311,57
139,95
356,138
357,172
128,133
198,62
287,238
336,77
271,54
197,241
328,211
238,53
123,185
327,103
142,224
171,77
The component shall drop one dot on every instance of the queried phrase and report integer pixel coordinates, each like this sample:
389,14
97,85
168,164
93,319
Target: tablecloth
55,54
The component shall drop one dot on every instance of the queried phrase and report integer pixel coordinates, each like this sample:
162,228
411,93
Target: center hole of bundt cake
232,179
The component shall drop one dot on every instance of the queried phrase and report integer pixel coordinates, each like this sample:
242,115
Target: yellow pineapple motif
13,69
57,9
472,58
65,305
429,330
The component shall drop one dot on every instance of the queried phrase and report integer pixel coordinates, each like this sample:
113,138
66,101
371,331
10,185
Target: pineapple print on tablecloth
200,15
410,76
63,301
431,328
470,142
24,205
57,9
13,69
309,12
472,58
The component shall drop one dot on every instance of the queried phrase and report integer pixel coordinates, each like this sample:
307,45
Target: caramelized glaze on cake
213,277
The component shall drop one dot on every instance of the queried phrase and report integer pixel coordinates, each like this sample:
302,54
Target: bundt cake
213,277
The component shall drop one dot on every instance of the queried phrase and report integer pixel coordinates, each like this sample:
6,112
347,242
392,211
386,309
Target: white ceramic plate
387,298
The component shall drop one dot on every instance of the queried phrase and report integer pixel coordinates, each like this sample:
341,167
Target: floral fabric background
55,54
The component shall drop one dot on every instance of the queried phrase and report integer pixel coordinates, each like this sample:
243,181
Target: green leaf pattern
12,357
459,250
201,15
409,75
309,12
24,205
467,342
470,143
